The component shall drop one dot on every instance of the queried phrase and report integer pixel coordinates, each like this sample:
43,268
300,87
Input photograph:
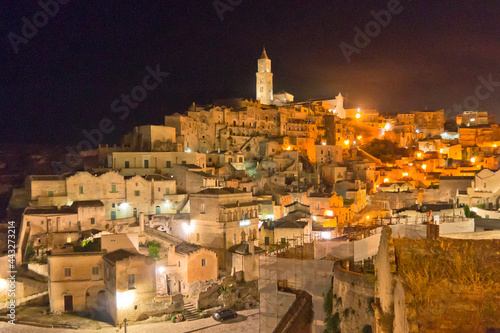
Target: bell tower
264,79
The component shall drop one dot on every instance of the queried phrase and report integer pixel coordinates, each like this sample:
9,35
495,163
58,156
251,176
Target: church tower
264,79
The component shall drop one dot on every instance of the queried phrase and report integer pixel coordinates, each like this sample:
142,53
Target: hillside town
391,222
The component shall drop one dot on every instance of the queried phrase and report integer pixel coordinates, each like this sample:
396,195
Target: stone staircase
190,311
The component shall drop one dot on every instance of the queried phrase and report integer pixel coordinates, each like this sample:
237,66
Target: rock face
352,297
228,293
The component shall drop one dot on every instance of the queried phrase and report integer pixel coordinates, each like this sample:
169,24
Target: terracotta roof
120,255
187,248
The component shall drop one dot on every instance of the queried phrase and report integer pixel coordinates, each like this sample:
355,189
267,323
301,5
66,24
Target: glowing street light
424,166
386,180
358,115
473,160
346,142
387,127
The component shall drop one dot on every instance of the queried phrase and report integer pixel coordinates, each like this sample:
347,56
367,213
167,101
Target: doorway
68,303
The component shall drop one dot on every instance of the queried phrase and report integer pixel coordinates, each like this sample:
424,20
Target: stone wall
299,316
42,269
353,294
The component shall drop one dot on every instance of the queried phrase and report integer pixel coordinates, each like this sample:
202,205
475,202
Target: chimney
141,222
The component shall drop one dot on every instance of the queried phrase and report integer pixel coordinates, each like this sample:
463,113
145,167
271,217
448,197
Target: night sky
65,78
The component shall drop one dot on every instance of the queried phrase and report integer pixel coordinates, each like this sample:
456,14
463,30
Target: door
158,210
169,286
180,287
113,215
135,212
146,164
68,303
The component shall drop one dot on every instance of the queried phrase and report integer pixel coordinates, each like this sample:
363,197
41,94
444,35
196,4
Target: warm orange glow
367,217
473,160
441,150
289,148
405,174
424,166
360,137
329,213
419,155
387,127
346,142
358,115
386,180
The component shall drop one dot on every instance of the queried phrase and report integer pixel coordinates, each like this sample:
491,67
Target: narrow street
247,321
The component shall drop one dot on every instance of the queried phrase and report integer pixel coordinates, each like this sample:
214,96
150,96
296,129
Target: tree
154,250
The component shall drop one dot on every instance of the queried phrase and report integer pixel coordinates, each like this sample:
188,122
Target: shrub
154,250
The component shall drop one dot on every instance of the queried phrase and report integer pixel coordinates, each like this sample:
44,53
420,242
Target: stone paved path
247,321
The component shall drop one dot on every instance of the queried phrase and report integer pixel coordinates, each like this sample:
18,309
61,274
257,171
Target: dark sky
64,79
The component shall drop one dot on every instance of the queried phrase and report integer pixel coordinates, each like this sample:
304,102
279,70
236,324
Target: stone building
130,279
223,217
76,282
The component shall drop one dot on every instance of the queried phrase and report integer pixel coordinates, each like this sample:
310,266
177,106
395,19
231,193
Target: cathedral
265,95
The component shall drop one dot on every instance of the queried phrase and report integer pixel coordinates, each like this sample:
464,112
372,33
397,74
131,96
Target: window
203,262
169,164
179,263
266,241
67,272
283,241
146,164
137,193
184,163
131,281
167,190
202,208
92,220
113,188
197,237
51,193
81,189
127,164
113,205
234,238
95,270
27,223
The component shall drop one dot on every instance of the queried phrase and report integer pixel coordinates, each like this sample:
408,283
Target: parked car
224,314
